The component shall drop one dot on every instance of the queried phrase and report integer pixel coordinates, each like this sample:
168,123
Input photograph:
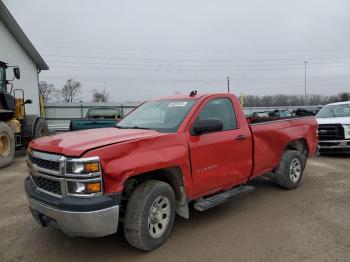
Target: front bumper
334,145
88,217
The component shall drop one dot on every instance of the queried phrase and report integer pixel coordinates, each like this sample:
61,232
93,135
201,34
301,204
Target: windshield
162,115
334,111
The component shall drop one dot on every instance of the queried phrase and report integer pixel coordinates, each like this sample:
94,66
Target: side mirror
206,125
28,101
17,73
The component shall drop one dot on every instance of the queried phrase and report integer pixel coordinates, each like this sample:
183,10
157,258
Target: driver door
219,159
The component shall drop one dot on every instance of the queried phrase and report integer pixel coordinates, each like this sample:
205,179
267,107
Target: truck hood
77,143
334,120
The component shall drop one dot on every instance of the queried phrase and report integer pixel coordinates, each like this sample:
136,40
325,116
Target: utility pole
305,95
228,84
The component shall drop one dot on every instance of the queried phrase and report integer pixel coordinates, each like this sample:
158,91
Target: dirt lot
311,223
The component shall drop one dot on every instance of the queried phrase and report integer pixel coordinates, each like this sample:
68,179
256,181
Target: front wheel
7,145
289,172
150,214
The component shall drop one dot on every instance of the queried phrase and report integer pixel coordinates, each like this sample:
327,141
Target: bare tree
315,100
293,100
267,101
100,96
47,91
251,101
71,90
344,96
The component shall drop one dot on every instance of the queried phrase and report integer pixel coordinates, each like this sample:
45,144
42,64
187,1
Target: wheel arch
172,175
301,146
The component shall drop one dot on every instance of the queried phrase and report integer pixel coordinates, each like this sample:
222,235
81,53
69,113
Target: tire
144,229
289,171
7,145
304,157
41,129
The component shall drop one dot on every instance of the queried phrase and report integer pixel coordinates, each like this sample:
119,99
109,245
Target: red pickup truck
163,156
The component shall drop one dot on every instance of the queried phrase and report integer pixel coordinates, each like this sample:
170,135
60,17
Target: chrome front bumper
334,144
87,224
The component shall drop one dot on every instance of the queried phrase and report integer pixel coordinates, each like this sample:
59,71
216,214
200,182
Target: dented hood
77,143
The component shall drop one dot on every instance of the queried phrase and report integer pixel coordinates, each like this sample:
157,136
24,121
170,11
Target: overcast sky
142,49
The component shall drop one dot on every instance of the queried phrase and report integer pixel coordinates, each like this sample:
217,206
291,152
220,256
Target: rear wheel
7,145
149,215
289,172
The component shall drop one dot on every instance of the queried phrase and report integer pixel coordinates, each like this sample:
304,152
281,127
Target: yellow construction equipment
16,127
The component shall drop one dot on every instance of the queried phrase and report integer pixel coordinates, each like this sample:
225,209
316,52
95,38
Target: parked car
307,111
265,116
334,128
97,117
163,156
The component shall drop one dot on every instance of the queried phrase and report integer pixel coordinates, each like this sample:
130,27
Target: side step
209,202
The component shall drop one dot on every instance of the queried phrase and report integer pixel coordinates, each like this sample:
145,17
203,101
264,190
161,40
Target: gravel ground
311,223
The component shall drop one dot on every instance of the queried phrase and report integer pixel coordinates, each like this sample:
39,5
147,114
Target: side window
2,79
220,108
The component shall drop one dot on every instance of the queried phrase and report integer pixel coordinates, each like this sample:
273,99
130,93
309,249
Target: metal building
17,50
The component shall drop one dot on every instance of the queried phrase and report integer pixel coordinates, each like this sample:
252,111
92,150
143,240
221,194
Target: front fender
124,160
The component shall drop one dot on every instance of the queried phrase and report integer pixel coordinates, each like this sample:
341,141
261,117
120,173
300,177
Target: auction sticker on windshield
177,104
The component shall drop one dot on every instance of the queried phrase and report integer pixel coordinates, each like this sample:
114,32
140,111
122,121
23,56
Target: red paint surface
209,163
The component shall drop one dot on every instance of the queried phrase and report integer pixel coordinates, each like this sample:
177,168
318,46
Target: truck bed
270,138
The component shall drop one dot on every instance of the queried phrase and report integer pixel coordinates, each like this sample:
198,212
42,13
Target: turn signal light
92,167
93,187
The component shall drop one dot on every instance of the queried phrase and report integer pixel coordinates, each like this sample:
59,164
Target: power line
181,69
195,60
205,80
197,65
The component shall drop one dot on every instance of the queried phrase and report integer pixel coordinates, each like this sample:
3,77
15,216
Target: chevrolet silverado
153,164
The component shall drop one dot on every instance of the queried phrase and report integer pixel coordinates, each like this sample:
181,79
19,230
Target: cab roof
182,96
339,103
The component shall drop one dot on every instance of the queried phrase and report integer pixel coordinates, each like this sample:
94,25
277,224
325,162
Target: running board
209,202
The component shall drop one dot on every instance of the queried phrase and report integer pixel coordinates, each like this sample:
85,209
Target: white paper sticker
177,104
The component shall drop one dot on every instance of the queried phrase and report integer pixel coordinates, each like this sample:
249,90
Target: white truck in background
334,128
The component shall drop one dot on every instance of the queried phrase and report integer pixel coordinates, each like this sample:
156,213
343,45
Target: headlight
84,187
347,131
84,176
83,166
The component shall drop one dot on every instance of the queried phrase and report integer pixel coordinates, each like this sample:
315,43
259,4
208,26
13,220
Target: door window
2,79
220,108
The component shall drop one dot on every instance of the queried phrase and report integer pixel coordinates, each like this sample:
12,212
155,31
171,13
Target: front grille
49,185
330,132
47,164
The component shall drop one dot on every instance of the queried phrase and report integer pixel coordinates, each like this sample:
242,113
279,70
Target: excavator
17,128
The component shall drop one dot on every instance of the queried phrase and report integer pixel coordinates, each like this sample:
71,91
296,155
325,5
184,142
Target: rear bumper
93,217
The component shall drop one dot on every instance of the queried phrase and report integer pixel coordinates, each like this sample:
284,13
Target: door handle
241,137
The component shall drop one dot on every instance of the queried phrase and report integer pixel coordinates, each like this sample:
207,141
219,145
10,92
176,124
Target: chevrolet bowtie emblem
322,131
